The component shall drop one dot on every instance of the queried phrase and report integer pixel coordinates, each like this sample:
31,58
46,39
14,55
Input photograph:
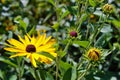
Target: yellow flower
31,48
94,54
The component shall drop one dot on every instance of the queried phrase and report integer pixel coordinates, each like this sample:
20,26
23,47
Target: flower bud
73,34
94,54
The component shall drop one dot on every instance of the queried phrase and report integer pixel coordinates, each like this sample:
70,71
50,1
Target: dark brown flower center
30,48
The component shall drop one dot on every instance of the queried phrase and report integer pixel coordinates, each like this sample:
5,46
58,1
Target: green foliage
95,29
92,3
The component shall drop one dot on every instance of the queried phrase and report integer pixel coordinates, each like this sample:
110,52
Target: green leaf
31,31
32,71
49,76
64,66
47,54
62,53
52,2
92,3
23,24
103,39
70,74
7,61
65,14
55,26
17,19
74,73
13,77
81,43
41,74
83,18
116,23
106,28
2,75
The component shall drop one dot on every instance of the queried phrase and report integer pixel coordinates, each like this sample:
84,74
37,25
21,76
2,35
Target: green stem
97,31
57,68
84,73
58,20
19,68
95,35
66,47
80,64
82,11
37,77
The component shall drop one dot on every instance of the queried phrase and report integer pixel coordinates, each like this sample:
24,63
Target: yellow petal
19,54
36,56
44,36
45,59
51,50
22,40
53,54
14,50
38,41
44,47
41,40
47,39
51,41
28,55
33,40
17,44
32,59
28,36
27,40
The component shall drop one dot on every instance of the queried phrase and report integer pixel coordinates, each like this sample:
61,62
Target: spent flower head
108,8
32,47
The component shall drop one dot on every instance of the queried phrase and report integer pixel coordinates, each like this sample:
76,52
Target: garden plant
59,39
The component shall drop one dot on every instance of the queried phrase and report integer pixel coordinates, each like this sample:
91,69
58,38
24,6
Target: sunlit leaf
116,23
92,3
56,26
13,77
52,2
64,66
81,43
65,14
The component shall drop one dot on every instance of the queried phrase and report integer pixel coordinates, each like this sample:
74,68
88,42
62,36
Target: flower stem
66,47
84,73
19,68
37,77
95,35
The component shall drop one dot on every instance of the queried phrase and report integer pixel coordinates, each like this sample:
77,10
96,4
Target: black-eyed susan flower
93,54
31,48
